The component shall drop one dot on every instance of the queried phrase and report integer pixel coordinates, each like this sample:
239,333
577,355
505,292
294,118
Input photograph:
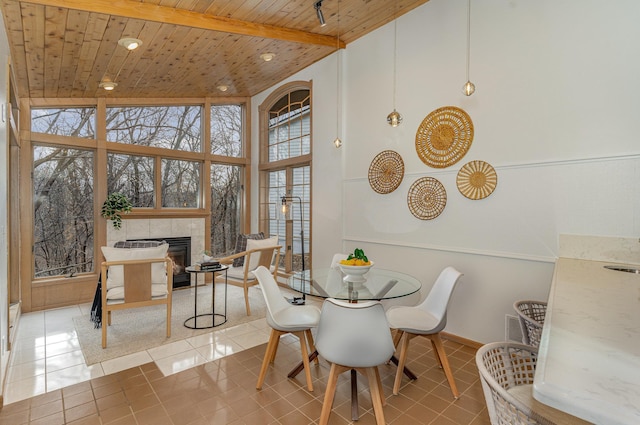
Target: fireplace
180,254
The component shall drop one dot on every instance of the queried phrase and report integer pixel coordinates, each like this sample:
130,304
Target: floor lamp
284,200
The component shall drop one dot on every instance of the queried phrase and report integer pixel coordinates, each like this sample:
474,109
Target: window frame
84,284
287,165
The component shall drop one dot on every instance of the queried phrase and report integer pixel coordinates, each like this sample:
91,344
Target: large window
226,130
77,122
169,127
290,126
155,155
132,175
286,163
63,211
180,183
226,207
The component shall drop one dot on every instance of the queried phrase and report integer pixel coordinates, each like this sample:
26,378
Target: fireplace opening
180,253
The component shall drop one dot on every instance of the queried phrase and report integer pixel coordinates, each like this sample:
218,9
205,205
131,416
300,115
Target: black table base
213,315
213,324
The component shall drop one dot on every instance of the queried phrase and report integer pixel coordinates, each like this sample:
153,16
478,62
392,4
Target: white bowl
355,273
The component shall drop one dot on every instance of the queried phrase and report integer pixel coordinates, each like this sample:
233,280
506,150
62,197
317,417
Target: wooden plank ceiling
65,48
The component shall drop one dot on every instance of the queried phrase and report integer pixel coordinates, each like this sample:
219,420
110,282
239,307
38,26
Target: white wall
554,113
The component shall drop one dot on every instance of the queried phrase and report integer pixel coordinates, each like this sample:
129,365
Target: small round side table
213,315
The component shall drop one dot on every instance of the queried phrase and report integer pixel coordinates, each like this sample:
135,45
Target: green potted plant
116,204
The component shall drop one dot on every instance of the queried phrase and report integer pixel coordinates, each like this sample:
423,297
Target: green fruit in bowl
357,258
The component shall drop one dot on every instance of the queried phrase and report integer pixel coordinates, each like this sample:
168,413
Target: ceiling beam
169,15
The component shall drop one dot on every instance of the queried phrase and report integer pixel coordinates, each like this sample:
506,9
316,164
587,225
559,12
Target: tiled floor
49,383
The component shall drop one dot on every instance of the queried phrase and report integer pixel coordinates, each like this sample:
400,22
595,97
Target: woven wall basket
426,198
476,180
444,137
386,172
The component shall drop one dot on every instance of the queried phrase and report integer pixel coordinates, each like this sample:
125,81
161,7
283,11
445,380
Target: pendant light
337,142
394,118
469,88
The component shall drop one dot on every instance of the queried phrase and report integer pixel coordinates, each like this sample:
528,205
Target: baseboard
461,340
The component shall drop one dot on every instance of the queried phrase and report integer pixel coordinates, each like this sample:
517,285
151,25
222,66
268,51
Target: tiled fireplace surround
144,228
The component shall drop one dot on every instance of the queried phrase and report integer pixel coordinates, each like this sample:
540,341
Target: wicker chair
506,372
531,315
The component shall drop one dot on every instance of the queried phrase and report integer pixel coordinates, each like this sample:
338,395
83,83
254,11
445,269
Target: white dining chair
354,336
285,318
426,319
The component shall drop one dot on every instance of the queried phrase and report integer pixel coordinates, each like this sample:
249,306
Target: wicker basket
476,180
426,198
444,137
503,366
386,172
531,315
507,372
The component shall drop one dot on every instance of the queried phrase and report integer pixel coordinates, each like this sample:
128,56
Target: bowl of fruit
355,266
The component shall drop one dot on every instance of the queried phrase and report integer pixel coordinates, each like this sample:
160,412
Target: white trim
458,250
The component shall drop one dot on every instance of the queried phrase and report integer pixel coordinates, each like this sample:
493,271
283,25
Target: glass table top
378,284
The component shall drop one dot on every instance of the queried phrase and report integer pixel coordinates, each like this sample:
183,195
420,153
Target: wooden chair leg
435,353
274,339
330,392
168,320
442,355
396,338
312,346
104,328
246,300
305,358
376,394
275,350
383,399
402,358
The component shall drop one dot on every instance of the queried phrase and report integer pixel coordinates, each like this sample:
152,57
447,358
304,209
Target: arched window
285,171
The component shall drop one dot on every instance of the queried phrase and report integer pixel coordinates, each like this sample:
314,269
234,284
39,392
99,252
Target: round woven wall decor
476,180
444,137
426,198
386,172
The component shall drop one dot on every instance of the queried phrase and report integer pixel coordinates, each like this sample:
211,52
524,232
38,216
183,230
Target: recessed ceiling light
223,88
108,85
130,43
267,56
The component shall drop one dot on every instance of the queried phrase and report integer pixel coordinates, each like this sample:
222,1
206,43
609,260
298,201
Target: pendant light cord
395,49
468,36
338,78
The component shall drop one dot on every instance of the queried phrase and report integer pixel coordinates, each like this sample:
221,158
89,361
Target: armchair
135,277
259,252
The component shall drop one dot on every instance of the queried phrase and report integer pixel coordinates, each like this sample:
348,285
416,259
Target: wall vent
512,330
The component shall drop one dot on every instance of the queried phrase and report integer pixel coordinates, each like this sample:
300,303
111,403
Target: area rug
139,329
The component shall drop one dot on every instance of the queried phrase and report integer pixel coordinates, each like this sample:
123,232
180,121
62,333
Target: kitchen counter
589,354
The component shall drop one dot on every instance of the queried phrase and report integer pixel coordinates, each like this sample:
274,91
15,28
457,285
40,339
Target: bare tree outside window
63,211
76,122
180,183
226,130
226,197
169,127
132,176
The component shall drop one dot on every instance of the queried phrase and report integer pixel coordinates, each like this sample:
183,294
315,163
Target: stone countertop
589,355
